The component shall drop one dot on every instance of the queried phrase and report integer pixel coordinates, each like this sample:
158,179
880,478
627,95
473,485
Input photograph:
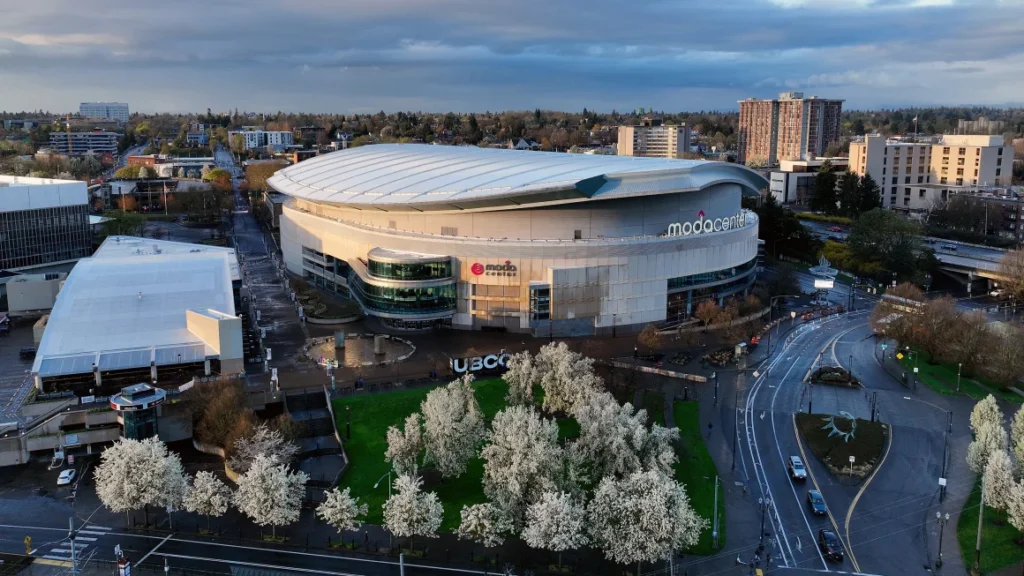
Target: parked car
797,471
835,229
997,293
829,545
66,477
816,502
949,247
27,353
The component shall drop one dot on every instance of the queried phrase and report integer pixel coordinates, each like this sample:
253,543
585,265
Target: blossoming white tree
484,523
521,461
404,447
270,494
341,510
615,441
1017,436
410,512
986,411
262,441
998,480
135,474
566,376
207,496
521,376
642,518
988,439
556,522
1015,506
453,426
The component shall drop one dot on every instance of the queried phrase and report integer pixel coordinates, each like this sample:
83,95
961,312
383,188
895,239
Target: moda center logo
506,269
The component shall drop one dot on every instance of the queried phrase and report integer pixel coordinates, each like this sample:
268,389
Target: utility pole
74,553
945,457
735,427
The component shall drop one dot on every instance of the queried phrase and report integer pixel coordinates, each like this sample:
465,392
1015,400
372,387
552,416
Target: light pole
959,367
942,525
375,485
765,504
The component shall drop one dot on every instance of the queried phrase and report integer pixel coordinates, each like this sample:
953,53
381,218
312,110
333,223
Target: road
887,523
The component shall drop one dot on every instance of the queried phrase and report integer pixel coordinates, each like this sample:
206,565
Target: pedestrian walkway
84,540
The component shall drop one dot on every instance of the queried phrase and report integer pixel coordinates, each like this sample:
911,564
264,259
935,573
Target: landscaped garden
584,469
942,378
834,438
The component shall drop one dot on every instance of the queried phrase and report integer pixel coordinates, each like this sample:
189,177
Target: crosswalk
85,538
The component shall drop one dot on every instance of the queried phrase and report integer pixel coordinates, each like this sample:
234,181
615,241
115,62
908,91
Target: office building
42,222
793,181
104,111
78,143
197,138
22,125
652,139
482,238
980,126
258,138
917,176
790,128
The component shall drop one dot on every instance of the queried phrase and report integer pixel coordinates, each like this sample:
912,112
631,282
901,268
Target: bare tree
649,337
1012,270
707,312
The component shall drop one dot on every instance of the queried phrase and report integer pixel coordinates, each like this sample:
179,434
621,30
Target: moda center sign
704,225
506,269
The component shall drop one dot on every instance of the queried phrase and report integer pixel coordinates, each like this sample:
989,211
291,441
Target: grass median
942,378
697,471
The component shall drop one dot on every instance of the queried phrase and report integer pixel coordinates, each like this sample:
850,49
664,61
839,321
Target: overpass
977,267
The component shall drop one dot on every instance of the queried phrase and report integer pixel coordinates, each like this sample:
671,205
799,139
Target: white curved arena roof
396,177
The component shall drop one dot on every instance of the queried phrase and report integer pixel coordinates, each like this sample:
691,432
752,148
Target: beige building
920,176
652,139
789,128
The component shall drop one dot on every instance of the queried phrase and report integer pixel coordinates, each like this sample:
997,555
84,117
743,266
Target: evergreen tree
824,199
869,193
849,195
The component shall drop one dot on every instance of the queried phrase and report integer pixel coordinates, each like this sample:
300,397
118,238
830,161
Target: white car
66,477
998,292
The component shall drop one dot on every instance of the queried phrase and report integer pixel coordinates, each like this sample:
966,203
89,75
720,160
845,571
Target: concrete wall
222,332
32,294
611,276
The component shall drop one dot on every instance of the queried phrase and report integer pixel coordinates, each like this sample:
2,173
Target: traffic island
834,376
834,439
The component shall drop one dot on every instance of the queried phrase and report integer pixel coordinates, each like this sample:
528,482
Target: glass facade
682,299
540,302
706,277
403,300
44,236
324,266
410,271
140,424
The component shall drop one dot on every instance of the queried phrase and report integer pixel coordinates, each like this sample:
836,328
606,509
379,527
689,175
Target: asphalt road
887,525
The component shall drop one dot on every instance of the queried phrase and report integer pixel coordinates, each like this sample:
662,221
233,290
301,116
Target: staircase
319,452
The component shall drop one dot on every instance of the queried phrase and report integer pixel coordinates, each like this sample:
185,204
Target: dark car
816,502
829,544
27,353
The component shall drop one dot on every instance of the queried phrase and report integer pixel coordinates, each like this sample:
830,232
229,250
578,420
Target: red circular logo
477,268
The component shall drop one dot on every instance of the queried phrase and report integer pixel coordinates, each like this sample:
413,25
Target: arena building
563,244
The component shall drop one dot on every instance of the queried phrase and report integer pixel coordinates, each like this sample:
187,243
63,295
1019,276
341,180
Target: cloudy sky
474,55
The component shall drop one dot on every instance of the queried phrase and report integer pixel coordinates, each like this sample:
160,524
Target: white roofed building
142,311
42,222
477,238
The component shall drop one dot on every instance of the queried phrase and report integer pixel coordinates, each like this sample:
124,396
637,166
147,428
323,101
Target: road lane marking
155,548
849,513
259,565
828,509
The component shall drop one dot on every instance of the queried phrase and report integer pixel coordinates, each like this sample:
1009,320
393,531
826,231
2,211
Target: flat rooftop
126,312
24,193
123,246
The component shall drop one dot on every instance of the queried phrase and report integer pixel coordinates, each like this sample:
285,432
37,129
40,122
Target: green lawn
998,546
697,471
942,379
371,417
654,403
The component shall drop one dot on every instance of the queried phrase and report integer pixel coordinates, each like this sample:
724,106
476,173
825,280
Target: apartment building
258,138
791,127
793,181
77,143
104,111
652,139
917,176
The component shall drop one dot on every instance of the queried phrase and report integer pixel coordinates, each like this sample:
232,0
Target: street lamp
942,525
765,504
375,485
959,367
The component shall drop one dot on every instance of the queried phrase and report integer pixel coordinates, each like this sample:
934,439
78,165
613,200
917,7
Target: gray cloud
367,55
